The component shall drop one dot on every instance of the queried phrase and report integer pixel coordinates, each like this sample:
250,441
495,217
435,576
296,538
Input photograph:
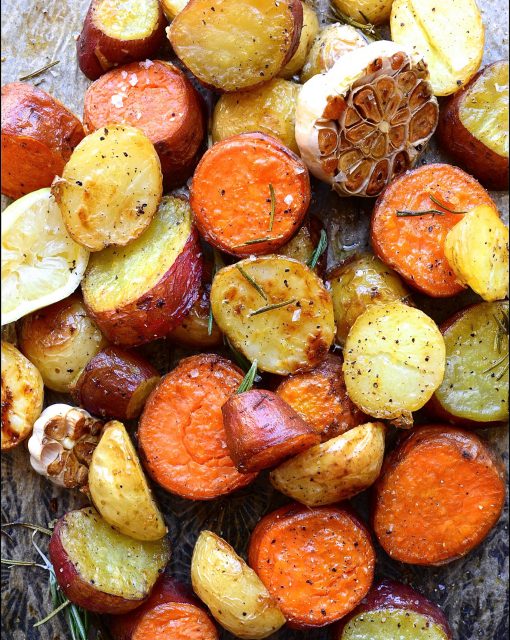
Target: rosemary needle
248,379
273,206
253,283
33,74
270,307
319,250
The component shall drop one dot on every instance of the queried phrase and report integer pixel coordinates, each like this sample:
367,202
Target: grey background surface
472,591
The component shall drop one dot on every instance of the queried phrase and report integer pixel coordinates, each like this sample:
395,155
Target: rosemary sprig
248,379
273,207
27,525
367,27
270,307
438,202
217,265
253,283
319,250
38,72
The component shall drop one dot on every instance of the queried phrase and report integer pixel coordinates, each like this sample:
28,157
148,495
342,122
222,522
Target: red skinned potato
394,610
115,384
117,32
143,291
34,149
473,126
262,430
158,98
101,569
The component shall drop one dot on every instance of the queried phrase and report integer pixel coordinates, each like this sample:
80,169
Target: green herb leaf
64,604
273,206
408,214
38,72
253,283
248,379
270,307
258,240
319,250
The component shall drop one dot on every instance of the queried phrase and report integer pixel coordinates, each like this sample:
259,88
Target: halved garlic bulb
366,120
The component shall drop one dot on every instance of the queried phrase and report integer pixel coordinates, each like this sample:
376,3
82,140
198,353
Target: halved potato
277,312
373,11
110,188
22,396
309,32
233,592
394,360
236,45
269,109
101,569
143,291
449,35
119,489
334,470
477,250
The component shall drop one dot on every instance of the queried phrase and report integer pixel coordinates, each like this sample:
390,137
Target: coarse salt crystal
124,74
145,64
117,100
138,115
296,315
193,374
133,79
288,199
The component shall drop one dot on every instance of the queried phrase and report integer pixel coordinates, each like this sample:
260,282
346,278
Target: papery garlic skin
62,443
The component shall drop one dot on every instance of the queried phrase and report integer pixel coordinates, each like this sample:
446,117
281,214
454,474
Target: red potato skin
98,52
38,136
166,589
262,430
162,308
109,382
80,591
389,594
466,150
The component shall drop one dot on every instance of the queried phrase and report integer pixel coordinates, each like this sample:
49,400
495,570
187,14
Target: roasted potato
473,126
232,590
475,385
34,149
172,7
362,11
117,32
449,35
360,281
335,470
22,396
394,361
304,244
60,340
477,250
197,330
143,291
281,315
329,45
262,430
309,32
119,489
393,610
319,396
241,44
115,384
110,188
101,569
269,109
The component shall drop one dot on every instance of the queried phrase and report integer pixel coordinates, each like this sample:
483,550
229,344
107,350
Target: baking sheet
472,591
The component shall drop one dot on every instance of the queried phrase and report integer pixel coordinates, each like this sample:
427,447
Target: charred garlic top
367,119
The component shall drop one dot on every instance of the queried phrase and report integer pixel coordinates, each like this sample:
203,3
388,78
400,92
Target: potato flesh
127,19
484,108
358,284
233,592
394,360
110,188
118,276
269,109
389,624
309,32
334,470
300,247
475,386
294,337
375,11
116,564
172,7
119,489
477,250
237,46
449,35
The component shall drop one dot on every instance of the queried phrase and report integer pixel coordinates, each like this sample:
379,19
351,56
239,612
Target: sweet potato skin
115,384
418,536
162,308
38,136
98,52
262,430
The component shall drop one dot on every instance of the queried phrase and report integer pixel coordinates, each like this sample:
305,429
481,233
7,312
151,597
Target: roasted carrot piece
413,244
317,563
249,194
175,620
181,434
320,397
158,98
439,494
